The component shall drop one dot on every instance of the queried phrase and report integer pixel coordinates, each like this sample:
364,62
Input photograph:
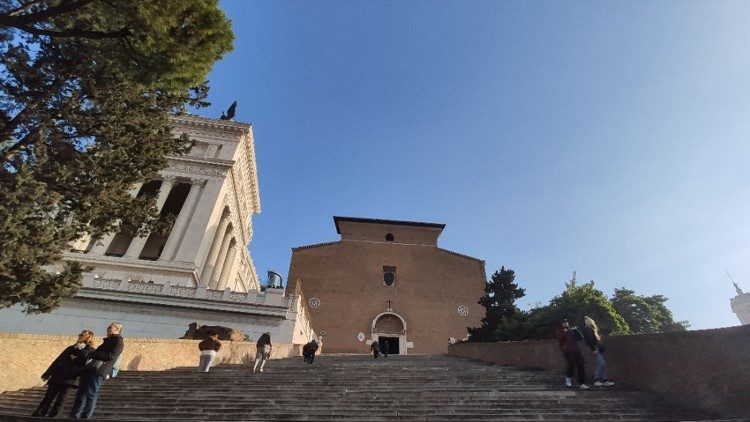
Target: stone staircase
355,387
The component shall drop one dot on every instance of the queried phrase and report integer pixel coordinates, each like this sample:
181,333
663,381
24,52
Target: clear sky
606,138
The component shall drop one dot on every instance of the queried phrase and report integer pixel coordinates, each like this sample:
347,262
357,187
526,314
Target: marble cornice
191,120
101,261
180,302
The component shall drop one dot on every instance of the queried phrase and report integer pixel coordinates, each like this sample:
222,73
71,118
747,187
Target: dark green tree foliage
503,320
86,91
646,314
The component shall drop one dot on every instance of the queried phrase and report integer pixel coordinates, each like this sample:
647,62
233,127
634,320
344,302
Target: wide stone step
356,388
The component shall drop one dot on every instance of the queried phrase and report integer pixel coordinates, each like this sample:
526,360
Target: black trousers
575,361
54,398
310,358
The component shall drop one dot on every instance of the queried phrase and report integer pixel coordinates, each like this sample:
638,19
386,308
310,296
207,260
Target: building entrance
393,346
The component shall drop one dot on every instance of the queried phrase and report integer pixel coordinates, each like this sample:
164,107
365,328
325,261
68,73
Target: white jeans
205,363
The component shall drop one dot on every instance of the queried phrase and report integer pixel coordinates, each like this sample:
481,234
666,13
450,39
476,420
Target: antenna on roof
736,287
730,275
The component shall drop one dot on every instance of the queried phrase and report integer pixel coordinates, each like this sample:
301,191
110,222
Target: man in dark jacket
375,347
308,351
568,340
100,365
384,348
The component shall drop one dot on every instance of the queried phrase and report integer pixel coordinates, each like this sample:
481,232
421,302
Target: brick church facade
389,281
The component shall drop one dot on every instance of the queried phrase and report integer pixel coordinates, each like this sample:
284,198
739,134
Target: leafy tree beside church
503,320
87,88
646,314
625,313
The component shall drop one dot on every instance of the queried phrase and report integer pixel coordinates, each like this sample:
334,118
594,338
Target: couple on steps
569,339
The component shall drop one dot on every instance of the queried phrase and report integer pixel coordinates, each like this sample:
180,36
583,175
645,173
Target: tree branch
65,6
9,152
23,8
75,33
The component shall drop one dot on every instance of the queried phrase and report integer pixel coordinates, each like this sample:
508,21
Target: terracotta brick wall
709,369
24,357
347,279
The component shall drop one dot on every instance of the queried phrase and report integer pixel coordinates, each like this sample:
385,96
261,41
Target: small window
389,275
389,237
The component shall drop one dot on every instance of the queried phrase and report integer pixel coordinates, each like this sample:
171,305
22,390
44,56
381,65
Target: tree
575,302
502,318
646,314
87,90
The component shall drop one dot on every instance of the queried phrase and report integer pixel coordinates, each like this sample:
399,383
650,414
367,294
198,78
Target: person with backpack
262,350
208,348
62,374
308,351
593,339
568,340
99,366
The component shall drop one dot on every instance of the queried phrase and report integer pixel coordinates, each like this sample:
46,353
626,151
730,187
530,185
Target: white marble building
201,271
214,193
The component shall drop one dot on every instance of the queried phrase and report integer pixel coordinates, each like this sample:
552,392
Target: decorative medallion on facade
463,310
314,302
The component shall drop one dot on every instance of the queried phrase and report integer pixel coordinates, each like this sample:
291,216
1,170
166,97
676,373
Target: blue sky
606,138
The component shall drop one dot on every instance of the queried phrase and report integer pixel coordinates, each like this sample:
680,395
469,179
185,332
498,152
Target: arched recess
390,324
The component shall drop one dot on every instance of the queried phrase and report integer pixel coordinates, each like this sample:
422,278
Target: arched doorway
390,327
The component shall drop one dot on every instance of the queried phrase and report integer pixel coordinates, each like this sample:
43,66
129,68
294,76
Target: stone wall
24,357
706,368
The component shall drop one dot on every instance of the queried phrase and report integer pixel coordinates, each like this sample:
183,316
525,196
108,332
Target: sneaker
609,383
261,369
598,383
568,382
584,387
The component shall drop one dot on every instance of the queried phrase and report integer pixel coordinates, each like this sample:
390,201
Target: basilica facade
388,281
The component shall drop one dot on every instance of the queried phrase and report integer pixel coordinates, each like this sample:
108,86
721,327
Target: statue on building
230,112
195,332
737,288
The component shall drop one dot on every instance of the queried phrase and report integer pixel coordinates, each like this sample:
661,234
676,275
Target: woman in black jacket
62,374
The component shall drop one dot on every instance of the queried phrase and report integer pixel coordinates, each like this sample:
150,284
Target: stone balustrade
271,297
705,368
24,357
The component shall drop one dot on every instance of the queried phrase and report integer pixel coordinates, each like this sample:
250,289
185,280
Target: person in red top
568,339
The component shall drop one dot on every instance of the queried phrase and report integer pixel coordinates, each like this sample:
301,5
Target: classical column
101,245
215,272
200,233
214,252
178,230
236,266
137,244
226,268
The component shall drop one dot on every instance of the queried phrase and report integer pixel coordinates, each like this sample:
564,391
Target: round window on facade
389,278
389,237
